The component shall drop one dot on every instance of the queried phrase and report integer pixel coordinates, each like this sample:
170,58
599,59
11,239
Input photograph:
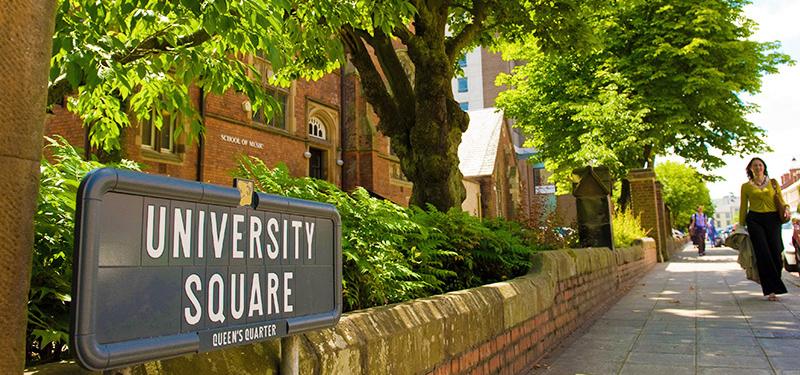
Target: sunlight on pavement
693,315
703,267
688,313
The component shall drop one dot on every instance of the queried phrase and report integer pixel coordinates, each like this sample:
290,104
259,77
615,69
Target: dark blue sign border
94,355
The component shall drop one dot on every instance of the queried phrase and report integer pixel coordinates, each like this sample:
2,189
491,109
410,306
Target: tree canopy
664,77
119,57
684,189
406,65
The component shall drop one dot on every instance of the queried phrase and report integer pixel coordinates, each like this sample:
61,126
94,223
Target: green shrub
51,275
387,257
483,251
626,228
392,254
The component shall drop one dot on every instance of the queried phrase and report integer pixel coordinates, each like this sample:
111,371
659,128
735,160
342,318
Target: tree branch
454,45
149,46
406,36
424,17
374,87
153,44
395,74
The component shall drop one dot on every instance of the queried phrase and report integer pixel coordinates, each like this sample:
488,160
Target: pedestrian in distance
760,210
712,233
698,225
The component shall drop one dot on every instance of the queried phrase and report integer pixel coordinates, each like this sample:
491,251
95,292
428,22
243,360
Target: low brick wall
500,328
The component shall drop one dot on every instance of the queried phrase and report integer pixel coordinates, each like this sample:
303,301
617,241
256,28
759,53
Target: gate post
645,204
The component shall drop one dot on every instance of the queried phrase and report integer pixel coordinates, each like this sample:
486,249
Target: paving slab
692,315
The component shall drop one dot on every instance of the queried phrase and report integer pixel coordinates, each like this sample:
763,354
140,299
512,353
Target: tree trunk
416,110
24,64
429,157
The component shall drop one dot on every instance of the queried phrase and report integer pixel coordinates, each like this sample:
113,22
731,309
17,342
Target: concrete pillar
27,30
644,203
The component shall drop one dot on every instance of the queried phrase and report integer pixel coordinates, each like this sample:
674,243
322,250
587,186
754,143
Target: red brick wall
367,161
65,124
644,202
577,298
492,64
226,115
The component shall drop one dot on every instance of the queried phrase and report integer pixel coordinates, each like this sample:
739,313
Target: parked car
791,245
723,233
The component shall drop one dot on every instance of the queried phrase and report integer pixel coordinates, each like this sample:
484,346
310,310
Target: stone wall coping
641,174
437,327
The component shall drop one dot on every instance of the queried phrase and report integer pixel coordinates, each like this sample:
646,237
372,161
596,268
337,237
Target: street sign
165,267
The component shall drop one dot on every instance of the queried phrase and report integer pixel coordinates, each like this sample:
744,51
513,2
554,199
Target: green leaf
193,6
74,73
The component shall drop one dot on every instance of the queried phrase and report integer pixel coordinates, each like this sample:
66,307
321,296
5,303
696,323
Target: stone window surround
175,156
329,117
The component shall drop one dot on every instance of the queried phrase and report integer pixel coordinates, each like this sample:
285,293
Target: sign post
165,267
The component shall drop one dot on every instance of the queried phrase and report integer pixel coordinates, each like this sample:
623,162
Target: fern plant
392,253
387,257
51,275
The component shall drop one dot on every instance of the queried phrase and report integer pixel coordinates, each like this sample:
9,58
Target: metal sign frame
89,226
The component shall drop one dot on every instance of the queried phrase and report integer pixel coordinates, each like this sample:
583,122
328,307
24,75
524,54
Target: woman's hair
750,173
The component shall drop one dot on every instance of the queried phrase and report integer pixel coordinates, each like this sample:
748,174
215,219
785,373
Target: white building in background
475,89
726,210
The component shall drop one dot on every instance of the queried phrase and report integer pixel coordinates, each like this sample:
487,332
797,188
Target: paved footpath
692,315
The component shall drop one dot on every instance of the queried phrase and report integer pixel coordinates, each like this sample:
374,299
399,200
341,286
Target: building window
316,164
278,120
464,106
159,140
462,84
316,129
462,62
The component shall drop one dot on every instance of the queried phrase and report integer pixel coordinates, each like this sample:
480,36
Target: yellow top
758,200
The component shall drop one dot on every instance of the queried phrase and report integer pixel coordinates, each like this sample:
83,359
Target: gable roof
478,149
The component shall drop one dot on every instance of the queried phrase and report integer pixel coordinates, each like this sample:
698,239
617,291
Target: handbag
779,207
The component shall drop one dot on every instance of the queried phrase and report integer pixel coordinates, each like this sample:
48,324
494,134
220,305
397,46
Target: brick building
476,89
306,137
489,165
790,186
327,131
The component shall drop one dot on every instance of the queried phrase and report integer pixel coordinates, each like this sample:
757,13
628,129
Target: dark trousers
700,239
765,233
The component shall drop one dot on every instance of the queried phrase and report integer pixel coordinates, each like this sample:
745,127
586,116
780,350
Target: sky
779,99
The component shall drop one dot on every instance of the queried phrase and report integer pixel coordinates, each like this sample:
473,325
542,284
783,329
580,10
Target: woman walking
761,201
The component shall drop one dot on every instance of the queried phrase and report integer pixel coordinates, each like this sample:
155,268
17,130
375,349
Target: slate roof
478,149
